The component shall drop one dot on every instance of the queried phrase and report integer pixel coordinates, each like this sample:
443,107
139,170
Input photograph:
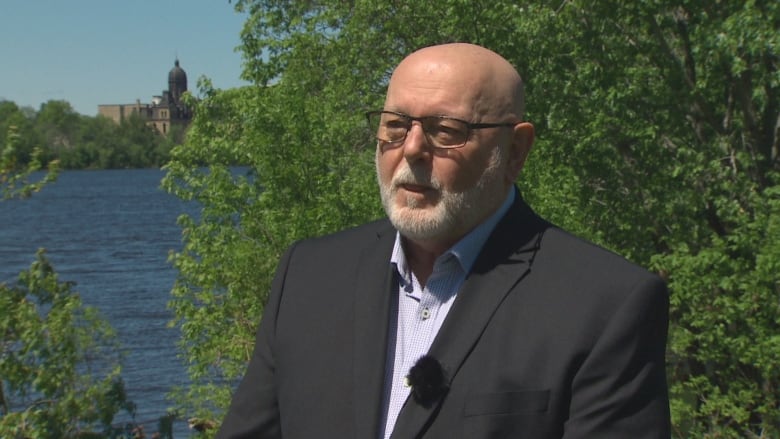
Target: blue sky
91,52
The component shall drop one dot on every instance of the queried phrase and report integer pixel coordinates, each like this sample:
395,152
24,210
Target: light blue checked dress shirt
422,308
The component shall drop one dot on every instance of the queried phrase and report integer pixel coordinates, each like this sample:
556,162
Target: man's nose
416,145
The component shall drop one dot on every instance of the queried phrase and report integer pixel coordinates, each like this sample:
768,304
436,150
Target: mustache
415,176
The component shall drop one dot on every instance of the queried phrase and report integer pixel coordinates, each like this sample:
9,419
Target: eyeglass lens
441,132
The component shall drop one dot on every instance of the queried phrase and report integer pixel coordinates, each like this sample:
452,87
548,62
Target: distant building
164,112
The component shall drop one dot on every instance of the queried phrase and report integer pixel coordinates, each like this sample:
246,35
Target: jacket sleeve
620,390
254,411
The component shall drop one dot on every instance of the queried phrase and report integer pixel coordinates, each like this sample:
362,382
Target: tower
164,112
177,83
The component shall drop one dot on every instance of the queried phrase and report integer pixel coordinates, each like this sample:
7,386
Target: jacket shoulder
578,254
342,246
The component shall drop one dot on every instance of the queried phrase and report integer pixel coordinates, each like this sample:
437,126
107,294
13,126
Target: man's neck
421,256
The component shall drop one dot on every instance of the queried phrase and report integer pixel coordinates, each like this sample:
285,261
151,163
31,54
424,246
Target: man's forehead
456,52
435,83
417,103
421,69
461,80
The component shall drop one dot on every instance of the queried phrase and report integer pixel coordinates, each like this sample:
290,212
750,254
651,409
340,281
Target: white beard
455,213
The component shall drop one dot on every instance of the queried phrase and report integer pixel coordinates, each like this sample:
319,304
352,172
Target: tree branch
3,402
700,110
752,137
770,120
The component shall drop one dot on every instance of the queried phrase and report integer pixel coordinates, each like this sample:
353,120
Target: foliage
55,361
56,133
657,127
241,213
14,178
671,128
59,362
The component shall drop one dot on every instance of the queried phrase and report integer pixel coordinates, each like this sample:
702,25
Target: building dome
177,75
177,82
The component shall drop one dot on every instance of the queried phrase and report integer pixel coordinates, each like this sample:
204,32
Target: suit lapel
503,262
373,295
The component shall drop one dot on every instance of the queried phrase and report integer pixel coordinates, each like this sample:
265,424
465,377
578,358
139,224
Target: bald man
463,314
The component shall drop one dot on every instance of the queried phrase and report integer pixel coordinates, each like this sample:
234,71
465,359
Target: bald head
435,192
488,86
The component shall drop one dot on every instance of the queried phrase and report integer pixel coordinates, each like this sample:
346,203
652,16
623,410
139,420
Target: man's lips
410,187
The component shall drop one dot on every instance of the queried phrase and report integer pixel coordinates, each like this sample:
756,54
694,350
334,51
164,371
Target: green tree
49,341
668,131
56,133
58,123
17,166
138,143
18,138
58,361
657,137
96,134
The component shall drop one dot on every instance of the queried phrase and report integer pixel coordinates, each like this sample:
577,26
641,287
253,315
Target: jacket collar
373,302
503,262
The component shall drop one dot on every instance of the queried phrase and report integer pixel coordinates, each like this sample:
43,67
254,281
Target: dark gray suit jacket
549,337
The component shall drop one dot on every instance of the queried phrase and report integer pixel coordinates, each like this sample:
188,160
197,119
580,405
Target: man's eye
447,133
396,125
393,129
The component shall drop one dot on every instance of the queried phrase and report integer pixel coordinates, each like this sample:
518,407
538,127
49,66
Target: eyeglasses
441,131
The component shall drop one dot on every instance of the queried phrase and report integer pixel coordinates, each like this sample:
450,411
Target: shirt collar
467,249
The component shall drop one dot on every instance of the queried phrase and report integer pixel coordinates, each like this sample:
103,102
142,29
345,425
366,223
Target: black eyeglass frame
469,125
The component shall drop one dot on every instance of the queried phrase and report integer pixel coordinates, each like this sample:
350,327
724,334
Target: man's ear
522,141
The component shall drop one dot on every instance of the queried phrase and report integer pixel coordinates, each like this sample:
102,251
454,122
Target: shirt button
425,313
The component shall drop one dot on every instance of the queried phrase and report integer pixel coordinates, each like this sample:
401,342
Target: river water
110,232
